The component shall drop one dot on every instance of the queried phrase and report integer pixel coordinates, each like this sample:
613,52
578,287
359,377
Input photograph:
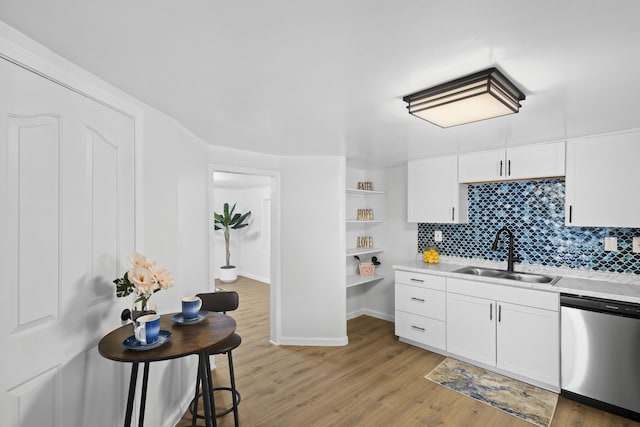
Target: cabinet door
528,342
482,166
471,328
433,191
535,161
602,181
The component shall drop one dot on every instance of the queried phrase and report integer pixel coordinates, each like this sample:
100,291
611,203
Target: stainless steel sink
509,275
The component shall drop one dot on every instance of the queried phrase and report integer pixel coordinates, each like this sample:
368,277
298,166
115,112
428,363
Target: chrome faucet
511,256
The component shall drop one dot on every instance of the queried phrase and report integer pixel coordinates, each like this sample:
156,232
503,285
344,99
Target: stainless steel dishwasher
600,353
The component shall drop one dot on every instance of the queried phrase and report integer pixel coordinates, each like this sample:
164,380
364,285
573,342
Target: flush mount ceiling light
479,96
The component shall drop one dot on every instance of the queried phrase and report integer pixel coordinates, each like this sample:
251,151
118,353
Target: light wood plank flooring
375,380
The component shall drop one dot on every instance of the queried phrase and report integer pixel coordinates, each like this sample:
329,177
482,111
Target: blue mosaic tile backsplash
534,211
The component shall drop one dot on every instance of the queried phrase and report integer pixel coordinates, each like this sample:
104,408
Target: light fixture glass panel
468,110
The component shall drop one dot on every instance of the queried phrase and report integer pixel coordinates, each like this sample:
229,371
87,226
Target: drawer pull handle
417,280
417,328
417,299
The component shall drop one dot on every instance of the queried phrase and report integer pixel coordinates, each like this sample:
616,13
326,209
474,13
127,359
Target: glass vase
143,304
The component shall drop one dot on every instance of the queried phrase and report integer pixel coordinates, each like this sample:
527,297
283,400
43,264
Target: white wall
249,246
400,242
176,236
313,248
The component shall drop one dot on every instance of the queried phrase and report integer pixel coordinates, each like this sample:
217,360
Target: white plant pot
228,275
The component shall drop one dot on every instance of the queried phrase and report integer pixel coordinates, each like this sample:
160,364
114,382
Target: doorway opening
253,249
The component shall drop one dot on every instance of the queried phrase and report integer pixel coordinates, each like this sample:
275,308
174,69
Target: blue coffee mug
147,329
191,307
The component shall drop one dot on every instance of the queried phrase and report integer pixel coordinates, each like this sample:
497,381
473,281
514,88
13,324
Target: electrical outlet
437,236
610,244
636,245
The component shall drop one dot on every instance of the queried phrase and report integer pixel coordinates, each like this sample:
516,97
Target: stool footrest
223,413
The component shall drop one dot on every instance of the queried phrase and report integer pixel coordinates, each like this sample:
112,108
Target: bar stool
221,302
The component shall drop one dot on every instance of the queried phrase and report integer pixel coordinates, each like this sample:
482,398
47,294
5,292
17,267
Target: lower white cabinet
528,342
471,328
515,330
516,338
420,329
420,308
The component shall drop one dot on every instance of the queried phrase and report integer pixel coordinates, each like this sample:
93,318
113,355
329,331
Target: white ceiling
296,77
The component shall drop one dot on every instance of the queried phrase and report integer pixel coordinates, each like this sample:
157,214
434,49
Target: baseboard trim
371,313
266,280
318,342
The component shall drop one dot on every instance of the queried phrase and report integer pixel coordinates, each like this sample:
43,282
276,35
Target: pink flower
138,260
143,280
144,277
164,279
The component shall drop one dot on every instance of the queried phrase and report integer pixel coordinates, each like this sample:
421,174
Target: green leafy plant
228,221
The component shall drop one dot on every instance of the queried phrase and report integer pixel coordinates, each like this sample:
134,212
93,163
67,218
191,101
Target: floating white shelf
359,221
355,192
363,251
356,280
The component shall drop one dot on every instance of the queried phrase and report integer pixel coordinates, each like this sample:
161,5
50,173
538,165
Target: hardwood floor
375,380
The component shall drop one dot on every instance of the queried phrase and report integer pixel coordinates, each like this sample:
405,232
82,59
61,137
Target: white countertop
619,287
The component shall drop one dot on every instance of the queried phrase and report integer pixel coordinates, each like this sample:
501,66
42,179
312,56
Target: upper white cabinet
524,162
434,194
602,181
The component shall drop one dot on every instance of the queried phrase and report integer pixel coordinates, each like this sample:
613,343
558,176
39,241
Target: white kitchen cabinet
420,309
434,194
513,329
481,166
514,163
602,181
527,342
471,328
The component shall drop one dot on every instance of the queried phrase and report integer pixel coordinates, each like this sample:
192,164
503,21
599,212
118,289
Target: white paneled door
67,218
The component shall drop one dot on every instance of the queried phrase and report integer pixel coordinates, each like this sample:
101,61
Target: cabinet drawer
421,301
421,329
505,293
422,280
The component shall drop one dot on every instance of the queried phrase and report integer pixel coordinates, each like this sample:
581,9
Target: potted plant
229,221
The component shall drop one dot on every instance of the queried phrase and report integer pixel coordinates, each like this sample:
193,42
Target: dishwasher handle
599,305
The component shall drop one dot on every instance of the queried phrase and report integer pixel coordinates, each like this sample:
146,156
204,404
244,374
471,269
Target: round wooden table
186,339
